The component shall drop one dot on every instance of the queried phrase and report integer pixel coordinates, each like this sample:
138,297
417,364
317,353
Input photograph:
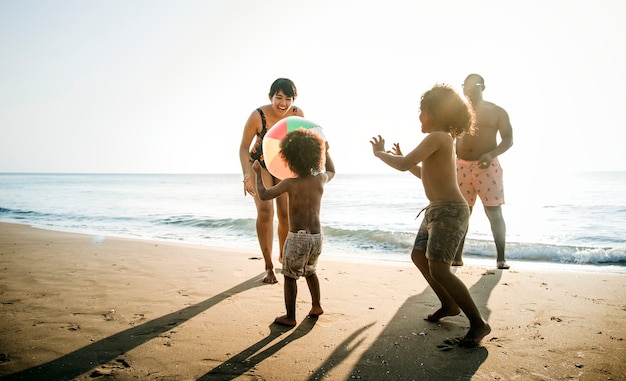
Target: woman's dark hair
286,86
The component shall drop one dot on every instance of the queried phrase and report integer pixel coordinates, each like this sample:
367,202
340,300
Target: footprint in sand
109,368
444,347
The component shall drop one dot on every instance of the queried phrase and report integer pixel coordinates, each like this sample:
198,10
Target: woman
282,95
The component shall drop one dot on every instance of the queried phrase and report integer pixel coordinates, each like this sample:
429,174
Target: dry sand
79,307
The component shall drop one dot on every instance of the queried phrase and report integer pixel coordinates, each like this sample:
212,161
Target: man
478,171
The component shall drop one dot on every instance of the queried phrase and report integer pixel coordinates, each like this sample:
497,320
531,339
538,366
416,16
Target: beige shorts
300,254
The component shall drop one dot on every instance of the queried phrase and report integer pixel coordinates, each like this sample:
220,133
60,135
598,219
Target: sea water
579,223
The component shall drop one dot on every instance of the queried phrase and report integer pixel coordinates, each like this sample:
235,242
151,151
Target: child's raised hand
378,144
396,149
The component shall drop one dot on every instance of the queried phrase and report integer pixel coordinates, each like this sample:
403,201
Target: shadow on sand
410,348
245,360
100,352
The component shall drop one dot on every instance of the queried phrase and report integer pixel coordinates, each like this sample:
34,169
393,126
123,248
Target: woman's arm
249,133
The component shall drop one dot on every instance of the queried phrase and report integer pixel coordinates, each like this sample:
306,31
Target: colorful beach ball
271,143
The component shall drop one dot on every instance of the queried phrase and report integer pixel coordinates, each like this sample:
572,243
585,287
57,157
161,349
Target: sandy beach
80,307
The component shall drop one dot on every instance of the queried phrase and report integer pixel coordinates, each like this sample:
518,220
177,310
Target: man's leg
498,229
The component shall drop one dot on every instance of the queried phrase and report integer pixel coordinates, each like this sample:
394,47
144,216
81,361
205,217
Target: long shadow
100,352
410,348
341,353
481,290
242,362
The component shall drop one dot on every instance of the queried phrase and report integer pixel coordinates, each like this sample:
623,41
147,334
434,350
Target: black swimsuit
256,153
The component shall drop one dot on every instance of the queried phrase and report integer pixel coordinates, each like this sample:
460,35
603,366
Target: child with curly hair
444,116
306,154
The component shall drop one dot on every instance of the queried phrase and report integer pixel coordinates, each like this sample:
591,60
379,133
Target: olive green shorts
443,228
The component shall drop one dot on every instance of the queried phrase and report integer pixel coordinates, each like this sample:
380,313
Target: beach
77,306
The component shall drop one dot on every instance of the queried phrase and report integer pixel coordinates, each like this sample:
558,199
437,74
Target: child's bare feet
474,336
316,311
440,313
285,320
270,277
502,265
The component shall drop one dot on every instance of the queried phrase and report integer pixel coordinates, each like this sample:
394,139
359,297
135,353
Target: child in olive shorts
444,116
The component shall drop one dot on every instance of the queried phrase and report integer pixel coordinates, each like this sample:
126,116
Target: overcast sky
129,86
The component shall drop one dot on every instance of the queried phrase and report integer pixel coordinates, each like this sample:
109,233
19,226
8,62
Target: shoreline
72,307
471,260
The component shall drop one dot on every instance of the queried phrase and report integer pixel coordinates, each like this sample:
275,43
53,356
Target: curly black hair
304,151
448,110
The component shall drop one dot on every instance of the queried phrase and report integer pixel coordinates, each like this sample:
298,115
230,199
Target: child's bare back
306,155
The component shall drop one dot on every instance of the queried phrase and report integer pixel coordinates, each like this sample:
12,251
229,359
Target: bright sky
155,86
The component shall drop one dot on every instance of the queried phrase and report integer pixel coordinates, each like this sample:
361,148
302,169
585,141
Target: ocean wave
556,253
374,237
234,224
17,213
402,242
370,243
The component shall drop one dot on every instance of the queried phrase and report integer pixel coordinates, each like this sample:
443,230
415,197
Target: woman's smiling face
281,102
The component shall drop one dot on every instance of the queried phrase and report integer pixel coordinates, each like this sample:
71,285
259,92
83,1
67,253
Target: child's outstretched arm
416,170
398,162
268,193
260,187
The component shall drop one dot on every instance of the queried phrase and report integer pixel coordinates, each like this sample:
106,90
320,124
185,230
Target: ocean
578,223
